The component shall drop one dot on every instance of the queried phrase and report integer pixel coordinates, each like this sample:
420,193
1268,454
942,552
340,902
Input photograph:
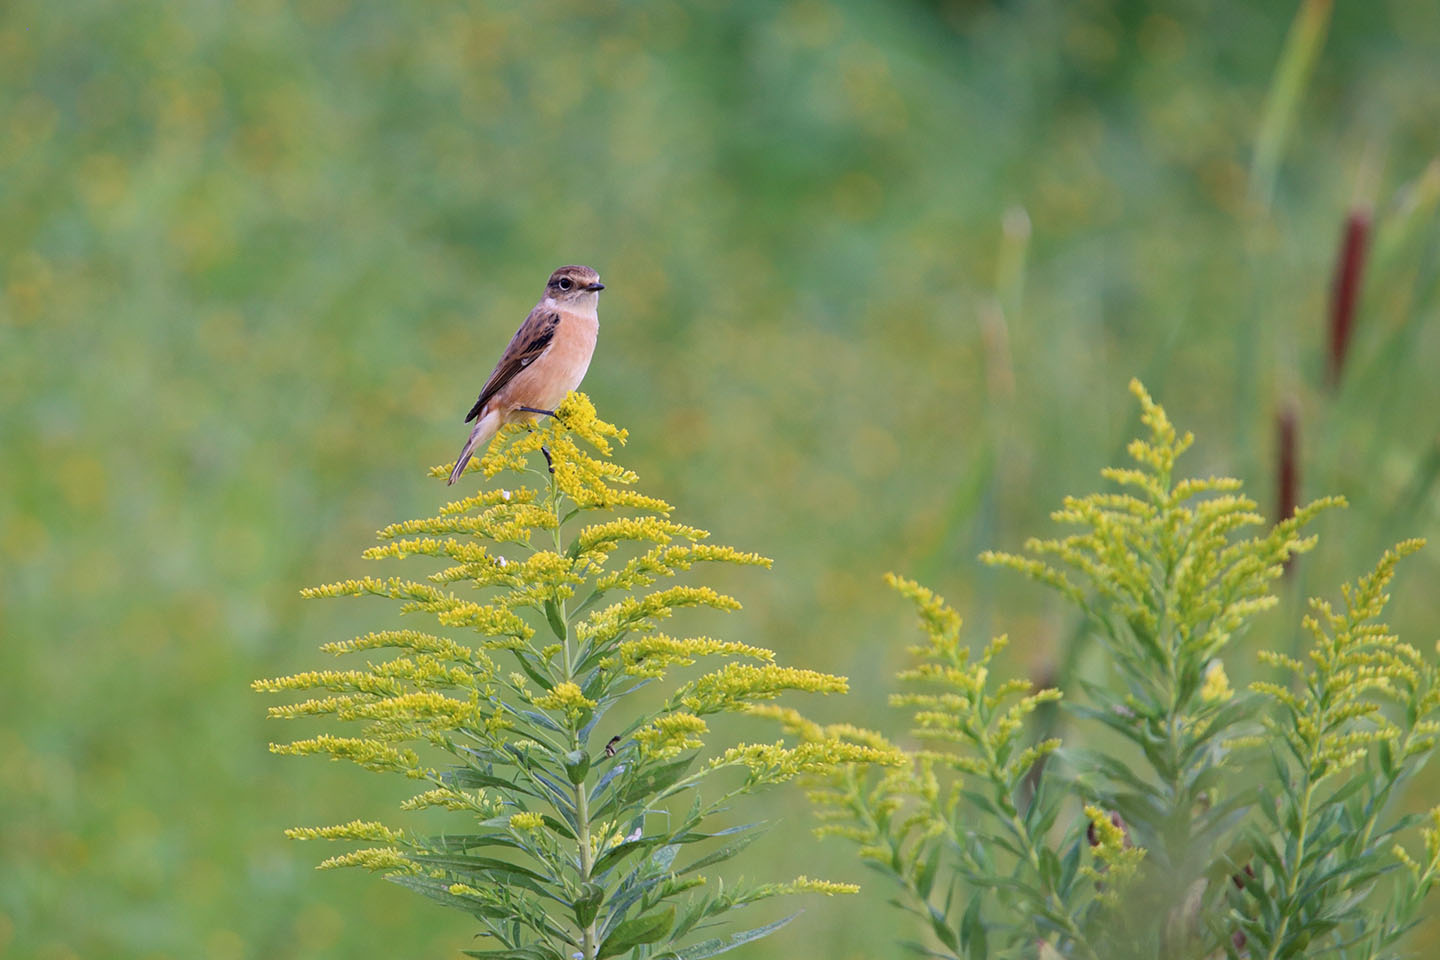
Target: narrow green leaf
718,945
646,928
720,855
972,931
942,929
556,621
617,853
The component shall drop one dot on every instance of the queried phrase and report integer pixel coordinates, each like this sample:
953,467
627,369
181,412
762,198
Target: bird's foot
543,413
550,464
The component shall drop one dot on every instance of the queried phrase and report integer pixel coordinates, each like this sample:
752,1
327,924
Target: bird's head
574,285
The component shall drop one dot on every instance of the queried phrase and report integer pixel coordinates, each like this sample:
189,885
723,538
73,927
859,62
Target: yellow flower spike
650,656
564,697
370,754
1117,858
1354,665
670,735
606,535
733,685
354,830
1216,688
1216,576
526,821
634,613
464,890
512,497
441,648
774,762
387,859
942,623
450,798
359,681
790,719
804,884
664,561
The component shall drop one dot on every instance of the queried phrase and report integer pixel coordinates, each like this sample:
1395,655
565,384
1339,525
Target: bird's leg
548,462
544,413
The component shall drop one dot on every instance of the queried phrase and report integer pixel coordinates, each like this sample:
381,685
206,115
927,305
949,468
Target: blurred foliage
877,275
1156,831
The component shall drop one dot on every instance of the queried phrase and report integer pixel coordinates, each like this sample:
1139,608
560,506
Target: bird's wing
528,343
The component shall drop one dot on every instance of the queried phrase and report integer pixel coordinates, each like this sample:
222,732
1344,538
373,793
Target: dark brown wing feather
528,343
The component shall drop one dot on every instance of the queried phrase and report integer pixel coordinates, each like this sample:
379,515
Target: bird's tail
485,428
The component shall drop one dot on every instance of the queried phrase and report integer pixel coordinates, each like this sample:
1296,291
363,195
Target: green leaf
646,928
721,855
487,867
536,717
587,904
544,682
560,828
577,765
439,891
1070,866
654,780
692,836
972,931
556,621
470,777
709,948
1295,944
615,854
645,784
942,929
1049,867
1387,759
925,876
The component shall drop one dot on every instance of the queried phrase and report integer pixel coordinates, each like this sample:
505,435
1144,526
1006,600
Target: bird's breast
562,366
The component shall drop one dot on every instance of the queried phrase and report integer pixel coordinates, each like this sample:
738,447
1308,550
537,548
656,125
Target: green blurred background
878,274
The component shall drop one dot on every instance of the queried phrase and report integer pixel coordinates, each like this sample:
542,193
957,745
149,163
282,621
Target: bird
546,359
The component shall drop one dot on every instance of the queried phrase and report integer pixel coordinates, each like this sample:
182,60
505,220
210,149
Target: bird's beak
597,285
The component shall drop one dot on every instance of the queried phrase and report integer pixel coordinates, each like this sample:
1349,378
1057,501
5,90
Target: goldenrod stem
587,862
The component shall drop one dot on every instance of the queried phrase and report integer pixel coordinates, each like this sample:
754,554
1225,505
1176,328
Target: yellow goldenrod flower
526,820
774,762
671,734
563,696
370,754
634,613
354,830
1216,688
733,685
451,799
804,884
1118,859
442,648
1356,664
377,858
650,656
464,890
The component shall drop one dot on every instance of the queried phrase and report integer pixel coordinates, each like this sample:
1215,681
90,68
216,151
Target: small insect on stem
610,747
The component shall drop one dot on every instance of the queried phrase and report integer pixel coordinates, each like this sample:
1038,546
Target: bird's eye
565,283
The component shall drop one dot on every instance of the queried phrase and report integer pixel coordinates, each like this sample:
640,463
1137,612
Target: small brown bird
546,359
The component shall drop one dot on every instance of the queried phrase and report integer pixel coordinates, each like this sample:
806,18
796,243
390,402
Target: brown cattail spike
1345,289
1287,471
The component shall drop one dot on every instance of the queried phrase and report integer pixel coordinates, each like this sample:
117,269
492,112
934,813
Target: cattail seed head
1345,288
